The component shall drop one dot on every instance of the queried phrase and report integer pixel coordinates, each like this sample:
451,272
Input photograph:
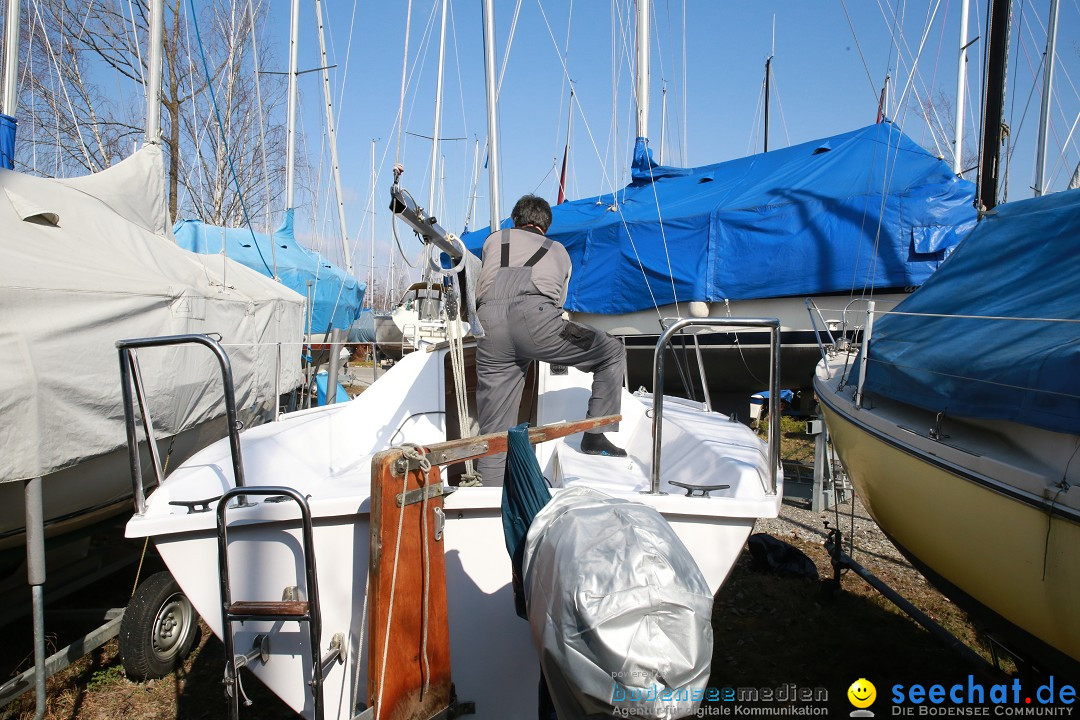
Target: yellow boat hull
1011,557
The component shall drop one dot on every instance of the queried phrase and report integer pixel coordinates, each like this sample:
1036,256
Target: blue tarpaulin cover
866,208
7,142
1022,261
336,295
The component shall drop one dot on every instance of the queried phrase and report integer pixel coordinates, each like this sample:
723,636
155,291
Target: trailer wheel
158,630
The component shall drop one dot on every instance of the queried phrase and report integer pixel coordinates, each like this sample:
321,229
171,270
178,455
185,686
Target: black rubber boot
598,444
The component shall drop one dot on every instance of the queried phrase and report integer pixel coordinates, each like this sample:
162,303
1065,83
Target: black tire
158,630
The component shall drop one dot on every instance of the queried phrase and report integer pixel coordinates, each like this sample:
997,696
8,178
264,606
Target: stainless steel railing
129,372
675,326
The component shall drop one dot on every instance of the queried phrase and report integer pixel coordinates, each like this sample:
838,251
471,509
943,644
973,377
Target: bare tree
938,113
83,105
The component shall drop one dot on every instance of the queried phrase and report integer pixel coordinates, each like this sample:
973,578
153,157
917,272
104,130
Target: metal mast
11,57
438,114
961,83
329,104
643,68
768,71
290,131
371,220
153,77
1044,112
492,119
997,21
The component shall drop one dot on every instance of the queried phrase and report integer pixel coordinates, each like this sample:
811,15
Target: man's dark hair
532,210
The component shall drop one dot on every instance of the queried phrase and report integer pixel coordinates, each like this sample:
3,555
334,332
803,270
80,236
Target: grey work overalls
522,325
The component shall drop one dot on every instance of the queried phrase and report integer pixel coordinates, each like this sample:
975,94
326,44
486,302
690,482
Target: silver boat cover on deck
85,262
619,610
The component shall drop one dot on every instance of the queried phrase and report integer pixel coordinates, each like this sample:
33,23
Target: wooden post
408,673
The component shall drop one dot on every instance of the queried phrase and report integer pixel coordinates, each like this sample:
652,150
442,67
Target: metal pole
11,57
865,352
1044,111
438,113
492,115
35,574
961,83
663,121
768,71
643,47
153,74
277,382
290,131
332,371
677,326
998,21
335,166
371,221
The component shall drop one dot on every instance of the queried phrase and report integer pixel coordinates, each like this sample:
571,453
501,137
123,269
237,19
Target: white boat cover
620,612
88,261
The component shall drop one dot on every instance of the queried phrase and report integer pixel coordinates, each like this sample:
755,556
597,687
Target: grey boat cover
87,261
620,612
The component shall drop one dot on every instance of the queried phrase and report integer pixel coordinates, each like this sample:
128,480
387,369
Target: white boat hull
326,453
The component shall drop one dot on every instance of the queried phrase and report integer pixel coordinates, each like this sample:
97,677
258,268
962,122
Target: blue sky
830,60
827,75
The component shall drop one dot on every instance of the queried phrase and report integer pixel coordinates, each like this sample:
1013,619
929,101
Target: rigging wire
1012,103
580,108
783,118
262,127
71,108
862,57
404,69
224,138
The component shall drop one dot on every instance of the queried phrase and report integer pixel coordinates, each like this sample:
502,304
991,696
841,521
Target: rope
457,362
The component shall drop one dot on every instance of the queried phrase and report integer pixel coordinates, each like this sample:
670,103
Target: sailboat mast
475,183
643,46
961,83
768,83
11,57
663,121
492,115
566,151
328,103
768,71
438,114
997,21
371,221
1044,113
290,128
153,75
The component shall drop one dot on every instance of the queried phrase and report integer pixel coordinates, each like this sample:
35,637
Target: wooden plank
474,447
286,607
396,685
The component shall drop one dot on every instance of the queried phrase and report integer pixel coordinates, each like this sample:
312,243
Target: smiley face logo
862,693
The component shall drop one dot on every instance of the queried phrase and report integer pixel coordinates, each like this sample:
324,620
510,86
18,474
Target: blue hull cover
336,295
866,208
1022,261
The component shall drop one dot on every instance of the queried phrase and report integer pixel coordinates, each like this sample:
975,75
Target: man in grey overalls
519,296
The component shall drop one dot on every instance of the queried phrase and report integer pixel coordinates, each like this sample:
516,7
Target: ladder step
292,608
